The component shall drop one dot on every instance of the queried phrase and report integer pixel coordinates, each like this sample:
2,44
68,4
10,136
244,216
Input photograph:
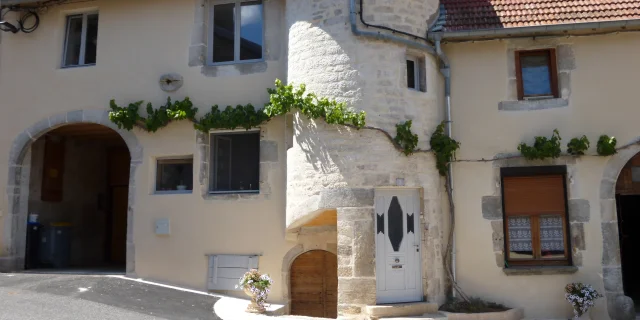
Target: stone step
415,309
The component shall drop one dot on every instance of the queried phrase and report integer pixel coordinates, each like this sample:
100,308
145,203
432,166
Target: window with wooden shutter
535,211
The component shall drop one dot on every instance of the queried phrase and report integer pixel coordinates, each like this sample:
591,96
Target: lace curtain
520,234
551,234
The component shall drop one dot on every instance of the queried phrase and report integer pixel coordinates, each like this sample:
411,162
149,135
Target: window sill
231,63
173,192
233,195
539,270
77,66
533,104
235,192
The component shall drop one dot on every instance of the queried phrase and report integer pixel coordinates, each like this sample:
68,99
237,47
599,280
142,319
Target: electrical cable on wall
28,20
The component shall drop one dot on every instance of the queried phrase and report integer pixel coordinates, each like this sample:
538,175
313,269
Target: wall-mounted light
8,27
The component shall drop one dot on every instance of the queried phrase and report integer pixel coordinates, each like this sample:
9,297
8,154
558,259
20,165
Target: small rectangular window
536,74
235,162
412,74
416,76
535,216
237,33
81,41
174,175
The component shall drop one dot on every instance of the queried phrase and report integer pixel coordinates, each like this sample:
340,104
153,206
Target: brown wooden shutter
53,170
534,195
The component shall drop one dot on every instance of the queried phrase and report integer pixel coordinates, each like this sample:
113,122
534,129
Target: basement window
235,162
81,40
416,77
174,175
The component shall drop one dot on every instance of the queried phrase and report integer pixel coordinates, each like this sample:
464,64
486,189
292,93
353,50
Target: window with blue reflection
238,31
536,75
251,23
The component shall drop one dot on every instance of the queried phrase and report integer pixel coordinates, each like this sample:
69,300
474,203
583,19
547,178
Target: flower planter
253,307
511,314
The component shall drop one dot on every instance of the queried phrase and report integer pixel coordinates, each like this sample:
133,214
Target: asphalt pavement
73,297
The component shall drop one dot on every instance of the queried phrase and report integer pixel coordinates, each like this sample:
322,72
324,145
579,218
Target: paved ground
71,297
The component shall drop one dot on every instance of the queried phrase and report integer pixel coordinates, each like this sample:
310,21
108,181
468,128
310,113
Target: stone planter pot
253,307
511,314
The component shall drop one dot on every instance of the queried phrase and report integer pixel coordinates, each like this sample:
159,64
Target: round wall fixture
171,82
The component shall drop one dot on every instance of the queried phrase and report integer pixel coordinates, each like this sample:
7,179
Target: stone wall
334,167
411,16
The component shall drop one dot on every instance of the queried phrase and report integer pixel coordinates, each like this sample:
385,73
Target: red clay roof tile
463,15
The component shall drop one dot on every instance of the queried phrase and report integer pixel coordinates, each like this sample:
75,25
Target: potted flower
581,296
256,286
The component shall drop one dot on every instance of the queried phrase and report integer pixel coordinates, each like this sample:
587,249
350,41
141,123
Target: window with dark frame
235,162
536,74
413,74
174,175
237,34
535,216
81,40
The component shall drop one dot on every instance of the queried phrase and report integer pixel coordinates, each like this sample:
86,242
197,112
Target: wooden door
314,285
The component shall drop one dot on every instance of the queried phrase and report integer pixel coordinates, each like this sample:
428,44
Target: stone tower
337,169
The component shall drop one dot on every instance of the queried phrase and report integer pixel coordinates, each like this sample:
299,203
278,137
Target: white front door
398,274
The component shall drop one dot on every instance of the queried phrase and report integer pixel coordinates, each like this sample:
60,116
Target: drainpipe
446,73
353,12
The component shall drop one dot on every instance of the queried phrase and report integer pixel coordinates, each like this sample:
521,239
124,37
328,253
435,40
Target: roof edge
568,28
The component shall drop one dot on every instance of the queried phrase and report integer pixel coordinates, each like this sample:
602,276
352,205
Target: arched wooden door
314,285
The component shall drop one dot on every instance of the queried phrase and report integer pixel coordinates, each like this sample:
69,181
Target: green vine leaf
578,146
406,139
606,145
542,148
282,99
444,148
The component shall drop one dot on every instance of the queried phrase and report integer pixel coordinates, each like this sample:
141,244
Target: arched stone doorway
314,284
617,176
19,171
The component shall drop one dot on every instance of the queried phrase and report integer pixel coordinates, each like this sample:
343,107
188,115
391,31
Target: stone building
344,221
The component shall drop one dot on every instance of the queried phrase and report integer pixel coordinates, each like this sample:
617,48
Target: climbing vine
578,146
444,148
406,139
542,148
606,145
282,99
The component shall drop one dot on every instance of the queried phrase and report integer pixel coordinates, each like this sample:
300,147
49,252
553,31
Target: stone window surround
565,60
579,213
268,160
198,47
18,182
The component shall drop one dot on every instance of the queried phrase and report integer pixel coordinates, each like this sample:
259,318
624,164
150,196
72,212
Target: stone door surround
15,226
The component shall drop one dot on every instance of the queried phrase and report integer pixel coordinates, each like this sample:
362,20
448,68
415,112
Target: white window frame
236,34
155,176
416,72
213,165
83,40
